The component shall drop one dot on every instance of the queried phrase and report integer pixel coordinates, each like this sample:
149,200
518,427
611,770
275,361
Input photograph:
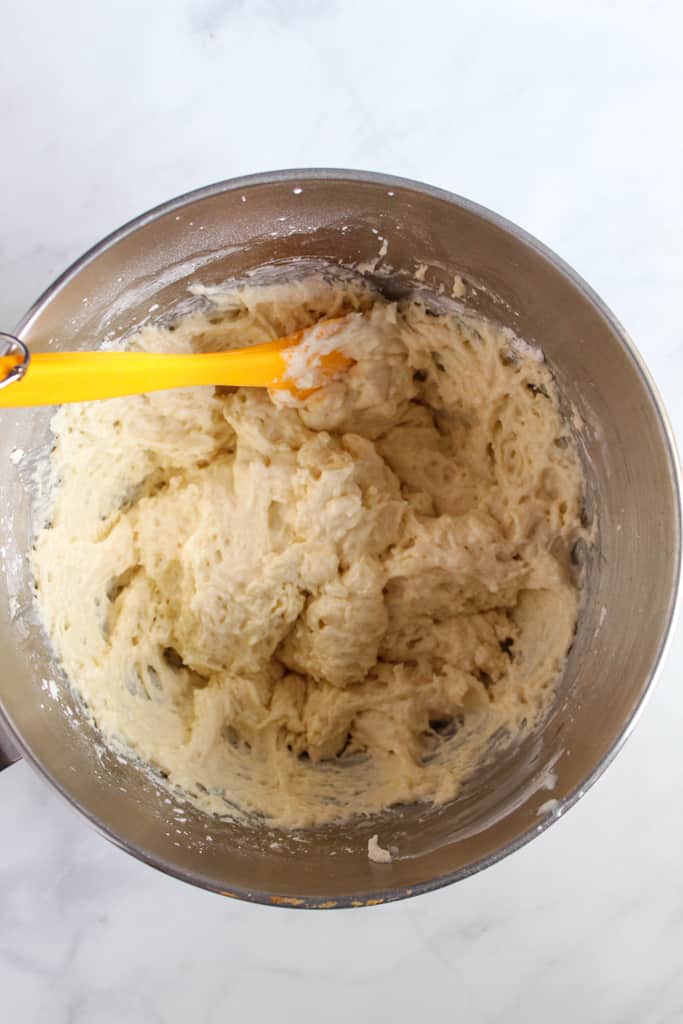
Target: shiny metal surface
9,752
632,573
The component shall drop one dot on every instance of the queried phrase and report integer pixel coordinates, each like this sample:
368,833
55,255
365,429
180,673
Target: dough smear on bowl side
315,609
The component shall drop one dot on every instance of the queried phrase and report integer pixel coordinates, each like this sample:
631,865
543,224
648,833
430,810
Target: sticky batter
316,610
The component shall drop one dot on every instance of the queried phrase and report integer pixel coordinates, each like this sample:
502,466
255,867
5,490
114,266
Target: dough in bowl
317,609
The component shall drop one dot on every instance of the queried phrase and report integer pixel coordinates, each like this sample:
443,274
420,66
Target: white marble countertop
569,124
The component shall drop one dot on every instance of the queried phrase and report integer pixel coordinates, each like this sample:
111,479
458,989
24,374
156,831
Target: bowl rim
303,175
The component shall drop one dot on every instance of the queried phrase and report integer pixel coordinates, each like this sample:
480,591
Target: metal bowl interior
226,231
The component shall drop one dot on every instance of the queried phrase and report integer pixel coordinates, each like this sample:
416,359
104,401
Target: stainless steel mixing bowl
632,573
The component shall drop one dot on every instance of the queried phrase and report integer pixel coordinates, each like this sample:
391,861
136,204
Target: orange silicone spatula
52,378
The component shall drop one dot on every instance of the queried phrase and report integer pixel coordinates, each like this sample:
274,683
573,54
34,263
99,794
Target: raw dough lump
319,609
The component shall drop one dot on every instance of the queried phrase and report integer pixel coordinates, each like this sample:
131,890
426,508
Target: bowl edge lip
292,175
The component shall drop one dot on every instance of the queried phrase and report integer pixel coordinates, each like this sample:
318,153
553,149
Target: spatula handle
53,378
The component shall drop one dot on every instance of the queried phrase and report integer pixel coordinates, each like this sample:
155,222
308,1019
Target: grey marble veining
565,118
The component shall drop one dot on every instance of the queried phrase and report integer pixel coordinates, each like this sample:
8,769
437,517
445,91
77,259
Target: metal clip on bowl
12,346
